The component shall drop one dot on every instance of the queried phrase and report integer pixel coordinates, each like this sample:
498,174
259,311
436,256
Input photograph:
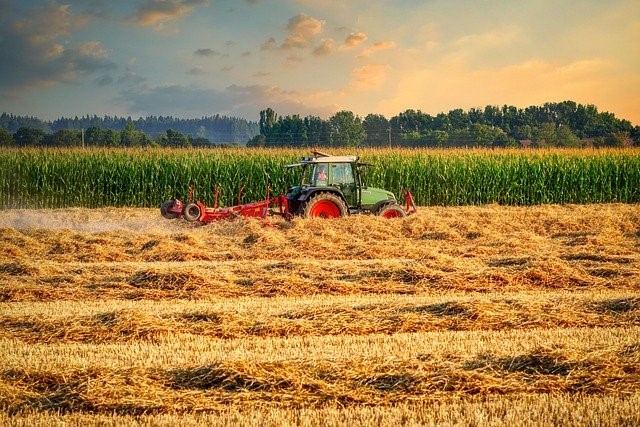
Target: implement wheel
325,205
164,210
392,211
191,212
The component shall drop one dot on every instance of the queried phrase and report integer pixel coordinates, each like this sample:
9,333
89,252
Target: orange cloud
325,47
302,29
158,13
355,39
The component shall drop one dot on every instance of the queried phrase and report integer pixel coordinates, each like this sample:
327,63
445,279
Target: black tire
164,210
392,211
324,205
191,212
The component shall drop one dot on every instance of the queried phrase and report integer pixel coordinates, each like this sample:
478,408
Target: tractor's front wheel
392,211
324,205
191,212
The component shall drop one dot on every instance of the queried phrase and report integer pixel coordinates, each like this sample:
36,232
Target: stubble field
456,315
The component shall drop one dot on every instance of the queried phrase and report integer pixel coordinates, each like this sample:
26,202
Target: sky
195,58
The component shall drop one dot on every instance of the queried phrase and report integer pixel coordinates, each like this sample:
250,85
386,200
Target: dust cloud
88,220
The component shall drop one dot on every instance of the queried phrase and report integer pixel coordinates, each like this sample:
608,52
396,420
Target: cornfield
54,178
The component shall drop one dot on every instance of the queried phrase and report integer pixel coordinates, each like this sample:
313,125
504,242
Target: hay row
321,317
491,234
570,410
173,350
48,281
315,383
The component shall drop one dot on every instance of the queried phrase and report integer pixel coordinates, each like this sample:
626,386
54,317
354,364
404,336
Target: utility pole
82,132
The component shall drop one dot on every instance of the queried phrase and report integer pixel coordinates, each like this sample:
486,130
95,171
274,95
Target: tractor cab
332,186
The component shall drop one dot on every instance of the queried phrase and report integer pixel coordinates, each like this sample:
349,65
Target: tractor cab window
342,173
320,175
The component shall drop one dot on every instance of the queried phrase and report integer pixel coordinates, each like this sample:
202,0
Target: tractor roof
325,159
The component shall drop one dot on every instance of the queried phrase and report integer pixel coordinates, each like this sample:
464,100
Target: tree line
99,137
553,124
215,129
565,124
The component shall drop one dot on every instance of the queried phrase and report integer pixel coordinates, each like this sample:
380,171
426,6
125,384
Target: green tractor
333,186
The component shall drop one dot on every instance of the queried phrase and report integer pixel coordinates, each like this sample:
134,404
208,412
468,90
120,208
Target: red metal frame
410,204
258,209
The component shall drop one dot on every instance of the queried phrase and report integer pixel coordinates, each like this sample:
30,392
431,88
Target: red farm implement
197,211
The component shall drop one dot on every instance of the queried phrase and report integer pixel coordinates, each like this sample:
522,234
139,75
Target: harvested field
457,315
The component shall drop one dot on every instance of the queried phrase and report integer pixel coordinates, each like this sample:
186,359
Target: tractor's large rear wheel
392,211
191,212
324,205
164,210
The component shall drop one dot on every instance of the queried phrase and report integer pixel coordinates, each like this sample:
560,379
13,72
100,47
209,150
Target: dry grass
481,249
298,383
566,410
474,315
115,321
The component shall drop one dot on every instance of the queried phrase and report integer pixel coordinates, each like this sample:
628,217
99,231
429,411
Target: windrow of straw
306,383
144,178
574,410
438,250
372,315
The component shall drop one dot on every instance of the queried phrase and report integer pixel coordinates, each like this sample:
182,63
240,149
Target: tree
130,137
318,131
617,139
458,119
346,129
378,130
268,118
566,138
65,138
6,139
28,137
257,141
175,139
544,135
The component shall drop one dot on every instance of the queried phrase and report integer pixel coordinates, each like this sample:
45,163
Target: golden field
454,316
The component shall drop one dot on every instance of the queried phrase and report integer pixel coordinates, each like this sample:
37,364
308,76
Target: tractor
331,187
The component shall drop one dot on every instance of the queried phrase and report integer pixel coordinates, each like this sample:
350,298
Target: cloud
93,49
326,47
294,59
196,71
302,29
206,52
159,13
355,39
305,25
34,50
269,44
376,47
105,80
